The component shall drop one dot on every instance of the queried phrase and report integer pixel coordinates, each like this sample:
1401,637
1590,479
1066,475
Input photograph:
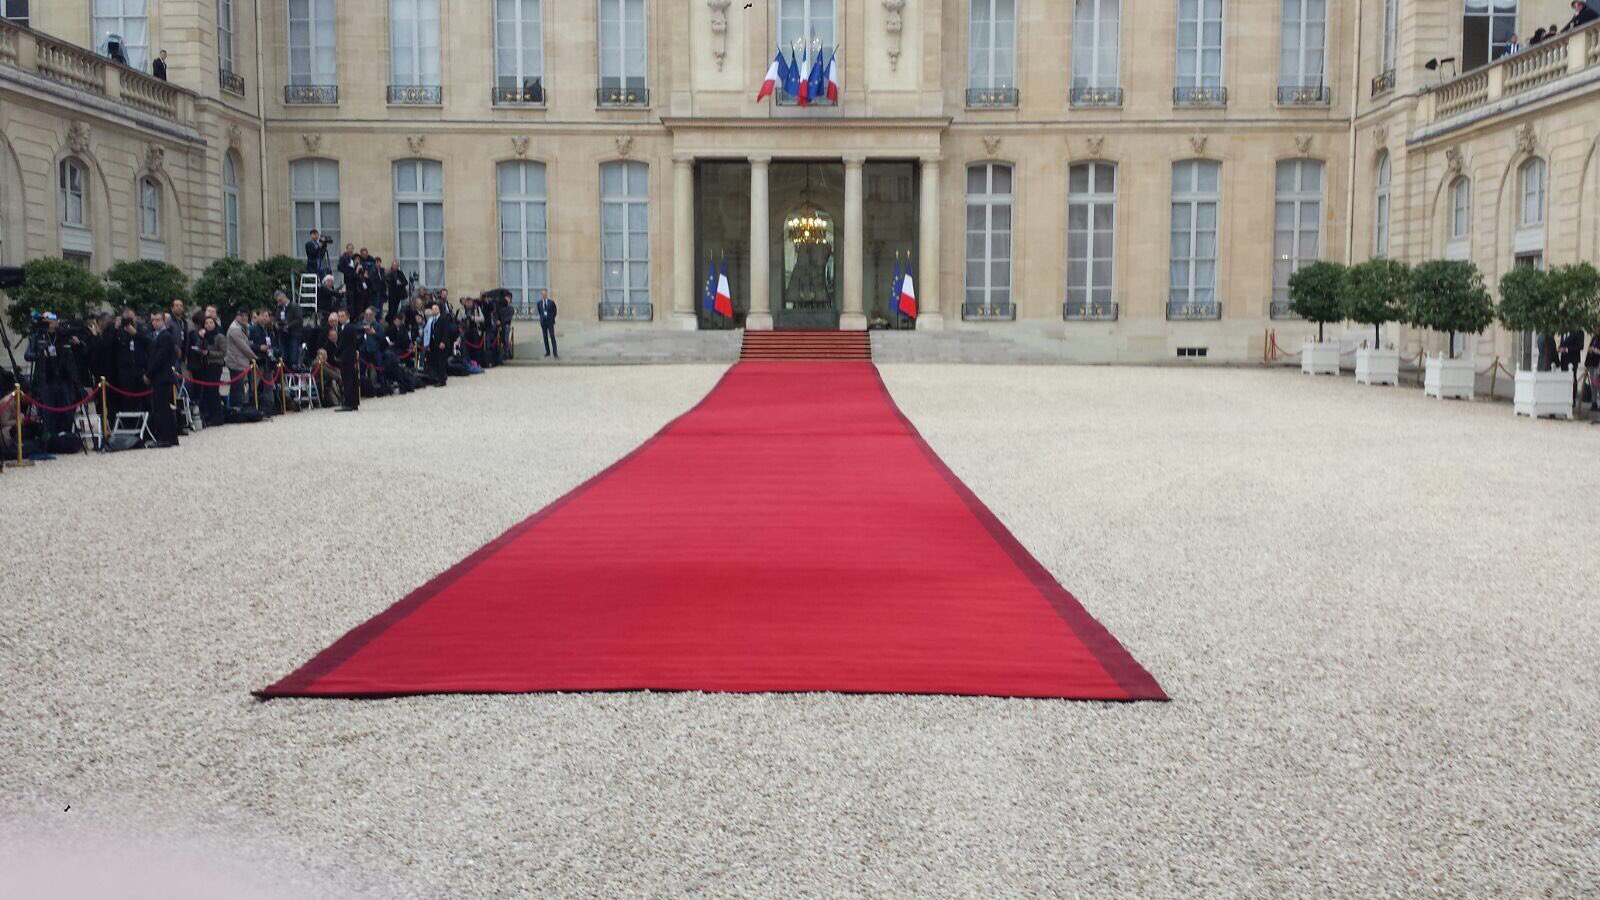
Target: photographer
328,298
54,354
504,312
205,363
317,254
133,362
396,344
237,355
398,286
473,343
289,319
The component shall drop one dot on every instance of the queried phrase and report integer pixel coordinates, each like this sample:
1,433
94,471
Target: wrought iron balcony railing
1200,96
787,99
230,82
1089,311
1383,82
416,95
993,98
531,94
622,96
626,312
1096,96
1282,309
311,94
1304,95
1193,312
989,312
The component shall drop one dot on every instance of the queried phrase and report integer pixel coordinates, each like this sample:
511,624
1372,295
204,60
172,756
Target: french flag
708,300
777,73
723,302
908,296
833,76
804,97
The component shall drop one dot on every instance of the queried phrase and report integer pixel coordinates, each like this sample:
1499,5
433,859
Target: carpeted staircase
805,345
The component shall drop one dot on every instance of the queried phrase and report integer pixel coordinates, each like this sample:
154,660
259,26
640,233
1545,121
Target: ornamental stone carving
1380,135
1453,162
624,144
155,159
1527,141
719,29
892,26
235,136
519,145
1302,144
991,144
313,142
78,137
1198,142
415,142
1094,143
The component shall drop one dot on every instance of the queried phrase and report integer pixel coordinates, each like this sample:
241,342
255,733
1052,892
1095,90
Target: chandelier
806,226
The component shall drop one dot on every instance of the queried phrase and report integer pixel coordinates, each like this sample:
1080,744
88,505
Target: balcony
1088,311
1383,83
1214,97
993,98
1282,309
1096,96
530,94
311,95
784,98
1193,312
78,69
626,312
230,82
622,96
416,95
1538,70
1004,311
1304,95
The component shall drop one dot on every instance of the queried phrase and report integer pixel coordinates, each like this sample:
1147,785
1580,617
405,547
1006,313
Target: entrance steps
806,345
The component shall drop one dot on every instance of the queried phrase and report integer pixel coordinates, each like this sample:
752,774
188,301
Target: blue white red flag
777,74
803,98
833,76
724,297
908,295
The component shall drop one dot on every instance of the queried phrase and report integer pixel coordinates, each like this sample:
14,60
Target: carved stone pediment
78,137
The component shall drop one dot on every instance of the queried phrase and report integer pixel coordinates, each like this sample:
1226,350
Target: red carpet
792,532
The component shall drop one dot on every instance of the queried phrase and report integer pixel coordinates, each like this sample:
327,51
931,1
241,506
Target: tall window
14,11
524,244
128,19
1303,44
1096,43
1391,28
419,219
414,43
1460,208
1486,29
1199,44
73,178
988,279
805,20
1532,178
625,233
313,43
992,45
1297,221
314,190
1091,226
1380,206
518,51
230,203
1196,186
226,27
149,210
622,44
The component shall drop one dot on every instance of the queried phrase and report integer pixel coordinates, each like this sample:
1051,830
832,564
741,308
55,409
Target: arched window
1459,233
1096,47
419,219
150,244
625,234
1380,206
988,279
74,208
1532,179
524,239
1196,195
314,190
230,203
1091,243
1297,222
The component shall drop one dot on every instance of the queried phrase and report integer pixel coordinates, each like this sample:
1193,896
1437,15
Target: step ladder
308,294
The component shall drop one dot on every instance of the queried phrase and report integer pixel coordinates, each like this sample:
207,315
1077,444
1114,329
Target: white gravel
1376,615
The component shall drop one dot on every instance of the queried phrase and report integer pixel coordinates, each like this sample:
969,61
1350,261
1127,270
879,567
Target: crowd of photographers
371,335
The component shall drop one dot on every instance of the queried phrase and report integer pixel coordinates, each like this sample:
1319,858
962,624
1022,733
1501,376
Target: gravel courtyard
1378,617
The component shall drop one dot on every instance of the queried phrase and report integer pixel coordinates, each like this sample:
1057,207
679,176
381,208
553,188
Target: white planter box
1543,394
1444,378
1319,359
1377,366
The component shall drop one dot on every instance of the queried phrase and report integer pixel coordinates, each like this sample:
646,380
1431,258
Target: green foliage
231,283
146,285
1314,292
283,272
1578,287
1374,291
1528,301
54,285
1448,295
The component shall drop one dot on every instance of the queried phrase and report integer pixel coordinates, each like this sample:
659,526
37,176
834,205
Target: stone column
683,262
852,318
929,316
760,315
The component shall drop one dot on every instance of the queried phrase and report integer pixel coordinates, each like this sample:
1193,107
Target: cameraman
289,319
52,353
205,362
133,359
398,286
317,254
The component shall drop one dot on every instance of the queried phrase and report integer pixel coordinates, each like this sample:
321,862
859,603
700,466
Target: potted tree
1373,294
1314,296
1548,304
1448,296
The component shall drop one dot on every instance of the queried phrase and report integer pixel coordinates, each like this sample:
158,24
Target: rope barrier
89,398
217,384
135,395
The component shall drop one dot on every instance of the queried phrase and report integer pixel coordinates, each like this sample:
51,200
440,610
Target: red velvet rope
63,409
217,384
137,395
273,380
477,346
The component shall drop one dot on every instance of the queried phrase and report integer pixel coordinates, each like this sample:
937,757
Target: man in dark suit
317,255
547,322
350,337
347,266
159,67
162,377
397,285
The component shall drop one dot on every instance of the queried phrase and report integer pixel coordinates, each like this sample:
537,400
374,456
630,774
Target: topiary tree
283,272
54,285
1528,302
146,285
1578,288
231,283
1448,296
1314,293
1374,293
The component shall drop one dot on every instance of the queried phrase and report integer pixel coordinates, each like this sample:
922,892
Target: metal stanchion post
105,415
283,397
16,407
255,386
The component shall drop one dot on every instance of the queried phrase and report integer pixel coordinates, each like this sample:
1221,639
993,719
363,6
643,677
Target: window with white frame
988,277
314,191
1303,44
230,203
1486,29
524,233
414,43
73,178
227,26
14,11
1460,208
1380,207
992,45
128,19
149,209
1391,25
1091,229
807,21
1096,43
1532,178
419,219
1199,60
623,55
519,51
313,43
625,233
1296,222
1196,195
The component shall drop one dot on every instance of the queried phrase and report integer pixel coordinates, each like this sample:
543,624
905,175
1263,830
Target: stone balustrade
87,71
1549,62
